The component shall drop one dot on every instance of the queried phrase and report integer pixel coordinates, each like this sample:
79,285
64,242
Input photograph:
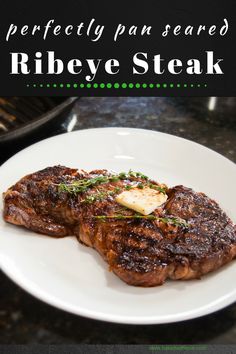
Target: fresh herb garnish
82,185
150,185
128,187
157,188
91,198
98,196
122,175
137,174
130,174
171,220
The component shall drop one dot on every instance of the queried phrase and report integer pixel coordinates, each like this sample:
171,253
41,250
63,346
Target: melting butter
144,201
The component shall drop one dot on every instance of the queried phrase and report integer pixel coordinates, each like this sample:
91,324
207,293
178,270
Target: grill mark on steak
141,252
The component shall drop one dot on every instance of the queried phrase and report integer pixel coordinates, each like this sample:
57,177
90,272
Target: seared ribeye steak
184,238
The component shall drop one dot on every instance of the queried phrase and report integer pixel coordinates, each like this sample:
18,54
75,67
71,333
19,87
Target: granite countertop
26,320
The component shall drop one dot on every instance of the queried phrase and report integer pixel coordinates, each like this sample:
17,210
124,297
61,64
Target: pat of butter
144,201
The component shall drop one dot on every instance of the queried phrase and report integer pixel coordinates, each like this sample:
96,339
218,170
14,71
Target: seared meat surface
186,237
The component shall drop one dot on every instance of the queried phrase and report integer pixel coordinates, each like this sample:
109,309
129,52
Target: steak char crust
141,252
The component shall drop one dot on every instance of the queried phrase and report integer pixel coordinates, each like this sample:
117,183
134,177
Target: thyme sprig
157,188
82,185
150,185
94,197
167,220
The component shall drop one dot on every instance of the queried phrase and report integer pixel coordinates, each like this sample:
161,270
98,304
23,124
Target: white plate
73,277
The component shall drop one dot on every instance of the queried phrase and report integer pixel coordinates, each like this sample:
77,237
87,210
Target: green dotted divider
117,85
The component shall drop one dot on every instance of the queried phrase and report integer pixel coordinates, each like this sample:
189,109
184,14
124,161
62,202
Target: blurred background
209,121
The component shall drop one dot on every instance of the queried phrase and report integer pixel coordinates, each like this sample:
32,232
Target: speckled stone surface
26,320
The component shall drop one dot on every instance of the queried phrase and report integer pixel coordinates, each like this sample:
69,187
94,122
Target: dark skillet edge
38,122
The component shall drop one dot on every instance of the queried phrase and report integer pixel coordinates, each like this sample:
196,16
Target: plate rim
46,297
133,320
120,128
